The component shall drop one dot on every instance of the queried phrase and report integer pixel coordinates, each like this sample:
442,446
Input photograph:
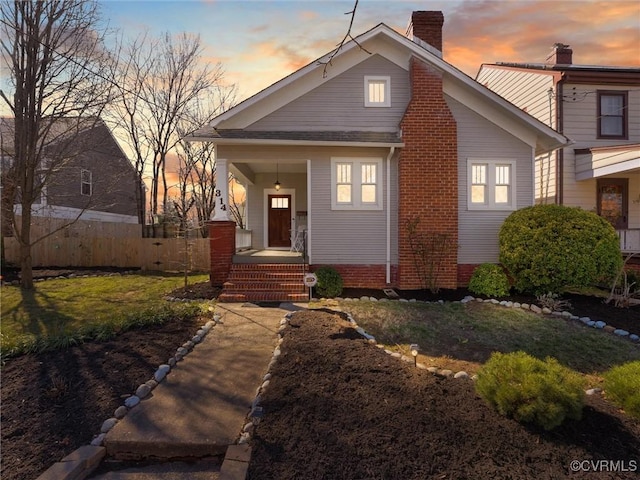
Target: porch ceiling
602,161
248,169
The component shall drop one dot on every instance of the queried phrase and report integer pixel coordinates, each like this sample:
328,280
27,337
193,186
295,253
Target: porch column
222,229
221,210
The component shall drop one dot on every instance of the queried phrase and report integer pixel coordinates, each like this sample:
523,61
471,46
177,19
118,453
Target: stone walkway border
599,324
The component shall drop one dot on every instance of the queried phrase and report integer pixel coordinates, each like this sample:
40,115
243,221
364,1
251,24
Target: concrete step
263,297
200,470
273,286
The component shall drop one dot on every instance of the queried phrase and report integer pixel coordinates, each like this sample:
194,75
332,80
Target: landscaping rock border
80,463
598,324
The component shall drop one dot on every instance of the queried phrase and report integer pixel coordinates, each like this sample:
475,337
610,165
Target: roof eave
281,142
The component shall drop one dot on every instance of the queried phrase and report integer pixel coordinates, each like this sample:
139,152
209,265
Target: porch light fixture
277,184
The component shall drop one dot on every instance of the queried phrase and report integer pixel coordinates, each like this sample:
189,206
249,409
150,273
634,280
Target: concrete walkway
199,409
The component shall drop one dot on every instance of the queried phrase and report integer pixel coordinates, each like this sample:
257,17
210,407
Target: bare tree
169,92
59,74
197,179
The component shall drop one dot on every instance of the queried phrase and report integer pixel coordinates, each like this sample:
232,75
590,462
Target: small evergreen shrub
530,390
329,282
546,248
622,386
490,280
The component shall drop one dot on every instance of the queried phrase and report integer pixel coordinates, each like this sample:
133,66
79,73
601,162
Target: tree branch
346,37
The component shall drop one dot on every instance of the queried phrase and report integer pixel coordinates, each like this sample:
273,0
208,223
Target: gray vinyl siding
529,90
478,138
338,104
351,237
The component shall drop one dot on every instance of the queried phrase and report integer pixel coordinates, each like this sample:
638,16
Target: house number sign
310,280
223,206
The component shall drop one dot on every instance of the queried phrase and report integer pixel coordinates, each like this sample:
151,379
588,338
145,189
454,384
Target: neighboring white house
598,108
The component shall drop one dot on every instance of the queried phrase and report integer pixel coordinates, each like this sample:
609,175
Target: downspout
560,154
388,266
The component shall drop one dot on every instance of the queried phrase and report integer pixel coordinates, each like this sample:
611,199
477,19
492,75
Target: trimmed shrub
546,248
329,282
490,280
530,390
622,386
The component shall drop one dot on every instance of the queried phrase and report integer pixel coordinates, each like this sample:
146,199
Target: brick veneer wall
428,173
464,273
222,244
364,276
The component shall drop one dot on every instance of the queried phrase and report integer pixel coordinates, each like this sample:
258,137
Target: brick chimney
427,26
561,54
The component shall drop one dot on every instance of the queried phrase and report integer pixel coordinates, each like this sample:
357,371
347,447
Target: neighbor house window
85,182
612,114
377,91
491,184
356,184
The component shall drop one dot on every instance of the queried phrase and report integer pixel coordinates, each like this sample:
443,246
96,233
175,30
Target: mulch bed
337,407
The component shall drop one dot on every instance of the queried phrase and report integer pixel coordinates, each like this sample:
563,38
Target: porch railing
629,240
243,239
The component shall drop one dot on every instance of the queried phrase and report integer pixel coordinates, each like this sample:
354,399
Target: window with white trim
86,184
491,184
356,184
377,91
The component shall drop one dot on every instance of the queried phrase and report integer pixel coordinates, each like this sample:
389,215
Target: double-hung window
491,184
612,114
86,184
356,184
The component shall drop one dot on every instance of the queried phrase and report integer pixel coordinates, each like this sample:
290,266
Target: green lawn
60,312
456,334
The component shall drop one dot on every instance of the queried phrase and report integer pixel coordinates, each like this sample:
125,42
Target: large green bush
546,248
531,390
490,280
329,282
622,386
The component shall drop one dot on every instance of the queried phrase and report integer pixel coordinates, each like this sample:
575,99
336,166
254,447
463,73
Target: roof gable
396,48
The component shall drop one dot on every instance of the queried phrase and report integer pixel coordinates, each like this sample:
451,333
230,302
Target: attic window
377,91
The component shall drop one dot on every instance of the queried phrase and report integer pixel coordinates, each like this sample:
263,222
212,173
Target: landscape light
414,351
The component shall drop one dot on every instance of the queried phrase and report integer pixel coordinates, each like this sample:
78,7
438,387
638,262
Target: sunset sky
260,42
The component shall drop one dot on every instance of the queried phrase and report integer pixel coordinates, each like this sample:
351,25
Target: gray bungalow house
359,157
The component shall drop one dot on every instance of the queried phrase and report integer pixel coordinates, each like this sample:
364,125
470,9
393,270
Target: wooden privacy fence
162,254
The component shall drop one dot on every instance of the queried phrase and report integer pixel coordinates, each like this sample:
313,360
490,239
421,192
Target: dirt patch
338,407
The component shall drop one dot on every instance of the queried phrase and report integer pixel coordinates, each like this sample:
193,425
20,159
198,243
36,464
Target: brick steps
265,282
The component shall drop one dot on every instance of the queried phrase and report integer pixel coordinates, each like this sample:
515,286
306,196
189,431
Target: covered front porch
615,173
274,209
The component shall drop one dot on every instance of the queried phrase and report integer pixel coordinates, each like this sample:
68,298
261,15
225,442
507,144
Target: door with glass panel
613,203
279,221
